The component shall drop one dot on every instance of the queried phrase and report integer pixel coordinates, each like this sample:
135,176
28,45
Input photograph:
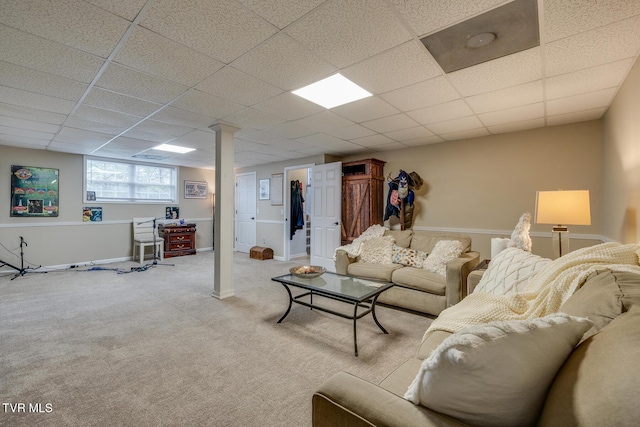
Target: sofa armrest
457,271
342,261
346,400
473,279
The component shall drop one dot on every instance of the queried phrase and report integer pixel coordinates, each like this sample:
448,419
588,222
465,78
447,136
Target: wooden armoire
362,197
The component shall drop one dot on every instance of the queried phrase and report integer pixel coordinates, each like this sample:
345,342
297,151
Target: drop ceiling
114,78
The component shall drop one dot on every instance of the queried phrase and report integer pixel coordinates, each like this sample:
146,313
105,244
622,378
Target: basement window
129,182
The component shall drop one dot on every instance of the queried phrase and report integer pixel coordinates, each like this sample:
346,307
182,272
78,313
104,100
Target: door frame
286,252
235,207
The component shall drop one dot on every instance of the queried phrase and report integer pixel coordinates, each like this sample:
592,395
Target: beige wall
481,186
621,198
66,239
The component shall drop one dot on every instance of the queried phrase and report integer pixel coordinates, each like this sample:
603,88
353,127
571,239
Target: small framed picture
264,189
195,190
91,196
172,212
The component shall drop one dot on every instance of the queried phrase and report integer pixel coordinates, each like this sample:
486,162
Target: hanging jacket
297,210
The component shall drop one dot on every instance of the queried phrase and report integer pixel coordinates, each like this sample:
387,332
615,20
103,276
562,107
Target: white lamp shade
563,207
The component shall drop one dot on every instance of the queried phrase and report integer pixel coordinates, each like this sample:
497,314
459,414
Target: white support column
224,212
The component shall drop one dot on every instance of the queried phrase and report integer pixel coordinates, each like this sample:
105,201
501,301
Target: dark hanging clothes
297,211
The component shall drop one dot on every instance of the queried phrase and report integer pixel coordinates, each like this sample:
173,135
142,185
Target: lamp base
560,240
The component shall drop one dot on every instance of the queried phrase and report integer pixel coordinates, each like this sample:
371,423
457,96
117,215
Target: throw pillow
377,250
520,236
497,374
443,252
408,257
510,271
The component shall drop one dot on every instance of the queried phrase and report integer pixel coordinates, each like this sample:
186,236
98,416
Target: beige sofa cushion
420,279
598,383
402,237
381,272
604,296
427,241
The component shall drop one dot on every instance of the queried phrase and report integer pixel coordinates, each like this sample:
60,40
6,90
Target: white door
326,213
245,212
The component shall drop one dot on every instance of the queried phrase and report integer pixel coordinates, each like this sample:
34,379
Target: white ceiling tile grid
115,77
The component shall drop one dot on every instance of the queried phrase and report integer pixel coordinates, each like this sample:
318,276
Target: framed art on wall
34,191
195,190
264,189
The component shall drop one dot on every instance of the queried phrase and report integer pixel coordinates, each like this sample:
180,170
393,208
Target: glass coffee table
361,293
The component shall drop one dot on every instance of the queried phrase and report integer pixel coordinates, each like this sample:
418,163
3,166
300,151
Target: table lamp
562,208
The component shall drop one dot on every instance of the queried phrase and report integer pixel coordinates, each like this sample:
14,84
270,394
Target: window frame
133,201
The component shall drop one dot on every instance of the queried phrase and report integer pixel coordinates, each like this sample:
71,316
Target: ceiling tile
596,47
372,141
156,127
420,95
409,134
466,134
137,84
451,126
32,80
150,52
73,23
25,132
511,115
27,113
281,12
35,100
381,73
237,86
78,136
115,101
291,130
589,80
289,106
514,96
89,125
351,132
578,116
254,119
391,123
106,116
28,124
566,18
23,142
434,139
148,136
517,127
86,147
325,121
221,29
128,9
284,63
427,16
345,32
207,105
389,147
366,109
441,112
17,47
131,145
587,101
511,70
179,117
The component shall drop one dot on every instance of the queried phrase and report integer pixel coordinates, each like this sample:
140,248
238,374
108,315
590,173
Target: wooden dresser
178,239
362,197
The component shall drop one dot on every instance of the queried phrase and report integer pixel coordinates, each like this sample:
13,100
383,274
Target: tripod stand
21,271
155,242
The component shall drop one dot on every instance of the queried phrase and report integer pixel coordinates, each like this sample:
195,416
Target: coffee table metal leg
290,302
355,335
373,313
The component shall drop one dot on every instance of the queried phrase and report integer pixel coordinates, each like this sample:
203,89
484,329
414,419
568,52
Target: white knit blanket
545,291
353,248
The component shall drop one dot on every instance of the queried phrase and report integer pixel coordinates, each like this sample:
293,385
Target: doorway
297,238
245,218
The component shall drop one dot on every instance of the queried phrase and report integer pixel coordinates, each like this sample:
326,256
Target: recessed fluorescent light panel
173,148
332,91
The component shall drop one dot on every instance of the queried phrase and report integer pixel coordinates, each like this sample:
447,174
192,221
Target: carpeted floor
98,348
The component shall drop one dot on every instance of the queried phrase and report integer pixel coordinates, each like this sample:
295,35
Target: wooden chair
143,236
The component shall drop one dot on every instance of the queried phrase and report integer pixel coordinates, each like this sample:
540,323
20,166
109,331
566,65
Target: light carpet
154,348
